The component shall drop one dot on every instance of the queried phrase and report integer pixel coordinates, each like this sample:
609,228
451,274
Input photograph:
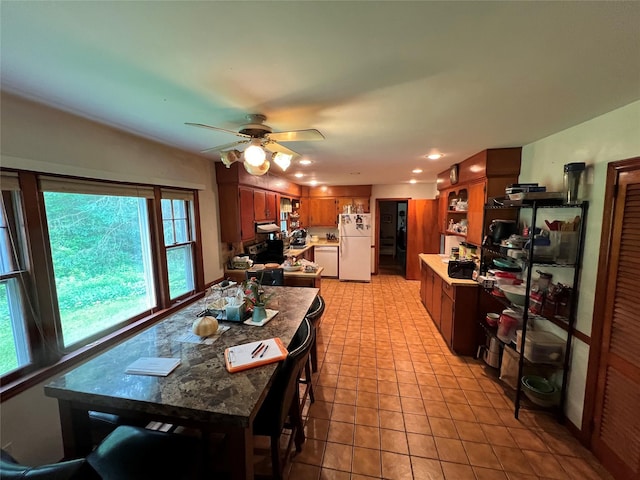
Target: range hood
267,228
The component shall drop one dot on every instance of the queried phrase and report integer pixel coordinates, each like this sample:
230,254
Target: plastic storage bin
541,347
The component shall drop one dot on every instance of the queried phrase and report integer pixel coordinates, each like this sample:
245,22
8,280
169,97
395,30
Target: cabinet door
446,317
271,206
425,275
247,219
364,201
436,300
443,206
259,205
303,211
323,212
475,215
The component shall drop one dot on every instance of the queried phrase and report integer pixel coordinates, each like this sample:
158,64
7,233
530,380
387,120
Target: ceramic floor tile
396,466
329,474
366,461
426,468
321,409
470,431
304,471
367,416
312,452
393,441
512,460
545,465
527,440
480,455
489,474
391,420
366,436
316,428
343,413
450,450
422,445
340,432
456,471
344,396
417,423
436,409
337,457
389,402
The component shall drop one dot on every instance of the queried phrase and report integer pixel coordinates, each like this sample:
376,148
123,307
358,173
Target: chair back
274,410
272,277
73,469
317,309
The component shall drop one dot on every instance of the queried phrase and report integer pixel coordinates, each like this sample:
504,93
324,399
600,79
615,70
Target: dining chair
283,400
128,453
314,314
271,276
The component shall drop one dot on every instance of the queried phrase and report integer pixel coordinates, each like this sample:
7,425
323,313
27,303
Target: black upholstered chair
128,453
281,408
315,315
273,276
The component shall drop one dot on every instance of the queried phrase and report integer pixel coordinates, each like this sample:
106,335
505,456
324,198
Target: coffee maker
298,238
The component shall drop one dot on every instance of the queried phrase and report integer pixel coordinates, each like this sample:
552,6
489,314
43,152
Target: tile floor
392,402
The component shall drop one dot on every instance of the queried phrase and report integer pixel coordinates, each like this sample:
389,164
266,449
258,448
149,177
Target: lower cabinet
452,308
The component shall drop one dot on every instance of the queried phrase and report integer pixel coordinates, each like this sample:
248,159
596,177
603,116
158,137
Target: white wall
610,137
42,139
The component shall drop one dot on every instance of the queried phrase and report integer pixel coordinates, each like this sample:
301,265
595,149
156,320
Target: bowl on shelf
540,390
516,294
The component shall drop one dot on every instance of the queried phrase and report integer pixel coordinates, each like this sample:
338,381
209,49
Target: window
177,210
14,345
102,261
79,260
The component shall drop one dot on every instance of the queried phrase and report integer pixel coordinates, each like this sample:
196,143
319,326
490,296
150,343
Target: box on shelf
565,244
541,347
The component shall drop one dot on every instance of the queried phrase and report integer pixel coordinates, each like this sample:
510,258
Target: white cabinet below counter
327,257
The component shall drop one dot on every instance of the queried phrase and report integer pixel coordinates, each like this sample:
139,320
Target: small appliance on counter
298,238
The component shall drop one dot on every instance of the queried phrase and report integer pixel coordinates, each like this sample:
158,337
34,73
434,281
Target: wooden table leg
241,442
76,430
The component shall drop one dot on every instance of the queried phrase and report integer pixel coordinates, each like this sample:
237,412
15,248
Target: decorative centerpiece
255,295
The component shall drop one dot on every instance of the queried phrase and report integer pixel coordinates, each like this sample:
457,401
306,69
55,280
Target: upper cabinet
480,177
265,206
245,199
322,205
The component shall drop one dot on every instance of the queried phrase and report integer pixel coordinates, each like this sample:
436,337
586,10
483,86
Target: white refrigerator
355,247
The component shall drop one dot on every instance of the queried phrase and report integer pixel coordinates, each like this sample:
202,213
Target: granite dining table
199,393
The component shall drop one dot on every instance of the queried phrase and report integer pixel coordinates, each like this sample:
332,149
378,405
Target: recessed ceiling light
305,162
416,170
313,183
413,180
434,156
298,175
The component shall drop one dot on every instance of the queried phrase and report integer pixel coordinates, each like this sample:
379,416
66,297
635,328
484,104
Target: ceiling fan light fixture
283,160
229,156
254,154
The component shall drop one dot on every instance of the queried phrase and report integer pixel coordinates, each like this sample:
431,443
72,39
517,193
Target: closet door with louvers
616,433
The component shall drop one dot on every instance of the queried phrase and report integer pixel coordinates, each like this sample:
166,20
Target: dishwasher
326,257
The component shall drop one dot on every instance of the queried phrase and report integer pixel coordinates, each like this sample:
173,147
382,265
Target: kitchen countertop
297,251
298,273
434,261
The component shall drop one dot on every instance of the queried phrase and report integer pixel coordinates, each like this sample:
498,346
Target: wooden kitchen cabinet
354,202
247,219
323,212
451,303
481,176
265,206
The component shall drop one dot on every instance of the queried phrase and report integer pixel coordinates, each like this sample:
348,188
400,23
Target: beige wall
38,138
607,138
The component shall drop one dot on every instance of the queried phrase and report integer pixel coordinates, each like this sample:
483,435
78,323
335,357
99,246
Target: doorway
392,237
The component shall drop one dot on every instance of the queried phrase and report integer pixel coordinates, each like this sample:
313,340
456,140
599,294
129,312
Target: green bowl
538,385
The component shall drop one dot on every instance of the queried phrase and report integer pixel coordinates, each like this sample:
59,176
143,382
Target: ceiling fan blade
226,146
297,136
202,125
276,147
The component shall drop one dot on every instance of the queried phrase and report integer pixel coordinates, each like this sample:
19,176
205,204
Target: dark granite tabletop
200,389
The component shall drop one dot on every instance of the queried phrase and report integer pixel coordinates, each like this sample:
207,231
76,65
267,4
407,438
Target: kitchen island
451,302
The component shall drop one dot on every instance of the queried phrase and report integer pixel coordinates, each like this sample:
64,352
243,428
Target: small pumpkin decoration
205,326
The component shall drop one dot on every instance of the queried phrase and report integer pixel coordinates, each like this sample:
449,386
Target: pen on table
255,350
253,355
264,351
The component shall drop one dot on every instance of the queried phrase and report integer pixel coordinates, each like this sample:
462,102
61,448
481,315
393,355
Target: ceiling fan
259,139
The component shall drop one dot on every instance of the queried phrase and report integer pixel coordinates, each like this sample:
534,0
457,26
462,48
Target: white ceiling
385,82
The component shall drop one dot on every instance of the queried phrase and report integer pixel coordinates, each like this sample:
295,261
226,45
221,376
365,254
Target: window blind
69,185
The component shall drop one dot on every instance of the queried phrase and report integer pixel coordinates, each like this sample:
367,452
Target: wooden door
616,328
247,219
422,233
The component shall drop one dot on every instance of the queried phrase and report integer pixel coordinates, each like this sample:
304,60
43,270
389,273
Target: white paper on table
191,337
157,366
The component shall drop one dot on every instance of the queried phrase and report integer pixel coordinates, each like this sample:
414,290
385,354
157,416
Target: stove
270,251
